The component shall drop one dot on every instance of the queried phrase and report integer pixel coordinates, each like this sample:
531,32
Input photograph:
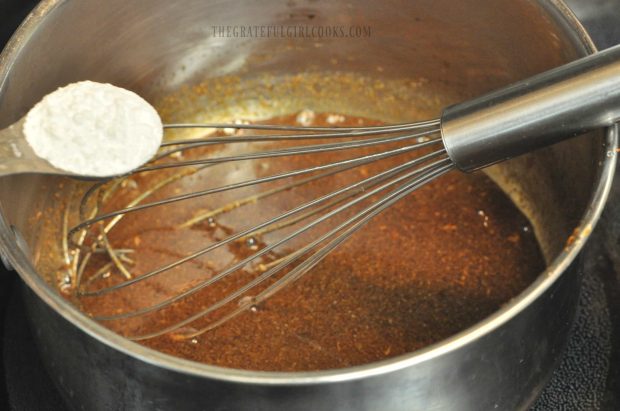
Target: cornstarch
94,129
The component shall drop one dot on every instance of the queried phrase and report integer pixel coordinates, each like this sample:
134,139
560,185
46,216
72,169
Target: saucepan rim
561,263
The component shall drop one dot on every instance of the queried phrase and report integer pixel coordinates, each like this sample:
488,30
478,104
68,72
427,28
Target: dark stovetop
588,377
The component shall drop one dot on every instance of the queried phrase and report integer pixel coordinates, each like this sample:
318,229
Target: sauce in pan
432,265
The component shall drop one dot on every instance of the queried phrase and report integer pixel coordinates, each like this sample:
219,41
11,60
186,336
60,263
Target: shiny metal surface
564,102
500,363
578,97
17,157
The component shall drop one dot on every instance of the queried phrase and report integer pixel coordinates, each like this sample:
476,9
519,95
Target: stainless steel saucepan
458,49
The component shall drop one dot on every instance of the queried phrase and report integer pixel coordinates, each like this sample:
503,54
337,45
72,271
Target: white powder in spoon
94,129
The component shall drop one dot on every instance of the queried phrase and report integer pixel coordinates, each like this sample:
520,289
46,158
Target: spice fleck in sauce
433,264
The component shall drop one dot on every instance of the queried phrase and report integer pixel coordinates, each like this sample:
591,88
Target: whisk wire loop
365,198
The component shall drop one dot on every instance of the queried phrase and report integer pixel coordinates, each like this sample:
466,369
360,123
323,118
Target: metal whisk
537,112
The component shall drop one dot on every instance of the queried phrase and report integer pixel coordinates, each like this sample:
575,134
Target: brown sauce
435,263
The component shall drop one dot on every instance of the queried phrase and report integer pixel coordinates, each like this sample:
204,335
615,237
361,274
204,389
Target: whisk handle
539,111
